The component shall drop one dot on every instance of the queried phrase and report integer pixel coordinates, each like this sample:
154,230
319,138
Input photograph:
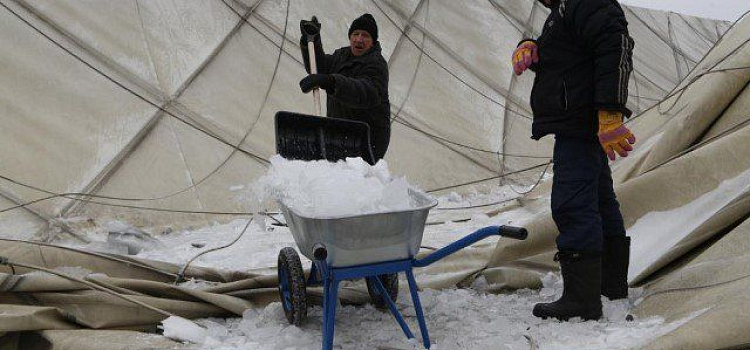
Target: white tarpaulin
158,113
146,99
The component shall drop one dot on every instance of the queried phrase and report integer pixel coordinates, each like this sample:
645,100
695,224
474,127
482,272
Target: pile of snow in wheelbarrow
322,188
457,318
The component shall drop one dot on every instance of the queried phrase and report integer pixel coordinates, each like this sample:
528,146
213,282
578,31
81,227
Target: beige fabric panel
658,69
18,318
230,92
734,117
661,130
721,53
102,340
51,256
160,42
709,294
54,110
452,22
461,111
153,170
37,283
699,106
18,223
427,164
93,309
172,164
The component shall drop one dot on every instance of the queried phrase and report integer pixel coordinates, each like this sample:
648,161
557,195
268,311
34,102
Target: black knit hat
367,23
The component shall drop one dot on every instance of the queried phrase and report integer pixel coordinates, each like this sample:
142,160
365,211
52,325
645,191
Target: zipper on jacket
565,95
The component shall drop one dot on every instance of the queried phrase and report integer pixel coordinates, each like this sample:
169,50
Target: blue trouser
584,205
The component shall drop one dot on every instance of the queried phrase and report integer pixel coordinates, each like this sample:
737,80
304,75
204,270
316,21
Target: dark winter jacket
585,61
361,84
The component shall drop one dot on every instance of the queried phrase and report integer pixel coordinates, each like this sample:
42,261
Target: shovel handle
313,70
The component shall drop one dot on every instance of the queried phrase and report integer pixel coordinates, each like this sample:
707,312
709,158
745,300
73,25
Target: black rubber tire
292,292
390,282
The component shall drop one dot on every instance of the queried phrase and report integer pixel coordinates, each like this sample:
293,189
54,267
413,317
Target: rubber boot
615,260
582,278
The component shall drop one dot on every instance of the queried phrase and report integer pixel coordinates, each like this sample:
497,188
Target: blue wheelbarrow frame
330,277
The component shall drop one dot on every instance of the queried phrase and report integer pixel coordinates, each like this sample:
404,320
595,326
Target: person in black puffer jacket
355,78
582,61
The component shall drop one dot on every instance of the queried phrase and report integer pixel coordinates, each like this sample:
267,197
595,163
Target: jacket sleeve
322,60
603,29
366,90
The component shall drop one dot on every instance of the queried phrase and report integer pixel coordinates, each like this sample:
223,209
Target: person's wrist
526,42
609,117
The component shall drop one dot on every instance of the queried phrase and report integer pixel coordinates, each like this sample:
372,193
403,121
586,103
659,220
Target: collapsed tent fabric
79,306
156,113
708,295
166,108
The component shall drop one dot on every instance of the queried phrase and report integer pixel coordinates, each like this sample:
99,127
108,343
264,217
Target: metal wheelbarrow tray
362,239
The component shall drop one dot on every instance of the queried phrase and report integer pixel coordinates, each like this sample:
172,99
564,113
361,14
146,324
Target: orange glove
525,55
613,136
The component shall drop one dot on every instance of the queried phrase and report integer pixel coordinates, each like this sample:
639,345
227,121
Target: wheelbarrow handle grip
478,235
518,233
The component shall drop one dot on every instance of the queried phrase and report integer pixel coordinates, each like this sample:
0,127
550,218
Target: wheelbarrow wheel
292,290
390,282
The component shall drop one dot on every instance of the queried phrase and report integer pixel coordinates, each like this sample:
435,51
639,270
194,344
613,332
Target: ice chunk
395,195
182,329
324,189
546,292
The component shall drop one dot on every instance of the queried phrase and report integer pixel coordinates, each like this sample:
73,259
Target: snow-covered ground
457,318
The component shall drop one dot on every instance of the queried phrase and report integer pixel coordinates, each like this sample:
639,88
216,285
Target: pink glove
525,55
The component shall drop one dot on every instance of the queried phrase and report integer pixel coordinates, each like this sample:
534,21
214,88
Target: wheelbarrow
365,246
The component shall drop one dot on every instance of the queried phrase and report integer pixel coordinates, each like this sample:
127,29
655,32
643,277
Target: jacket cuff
525,40
626,113
331,82
336,80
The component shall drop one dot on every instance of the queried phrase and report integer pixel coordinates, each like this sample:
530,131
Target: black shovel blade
308,137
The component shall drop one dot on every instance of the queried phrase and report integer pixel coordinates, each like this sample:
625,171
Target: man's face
360,41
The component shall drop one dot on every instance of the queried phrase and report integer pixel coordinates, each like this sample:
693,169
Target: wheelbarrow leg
330,297
418,308
392,306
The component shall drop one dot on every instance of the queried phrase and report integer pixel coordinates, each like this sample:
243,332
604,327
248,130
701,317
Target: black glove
323,81
310,28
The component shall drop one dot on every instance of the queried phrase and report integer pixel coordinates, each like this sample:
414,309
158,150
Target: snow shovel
312,137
